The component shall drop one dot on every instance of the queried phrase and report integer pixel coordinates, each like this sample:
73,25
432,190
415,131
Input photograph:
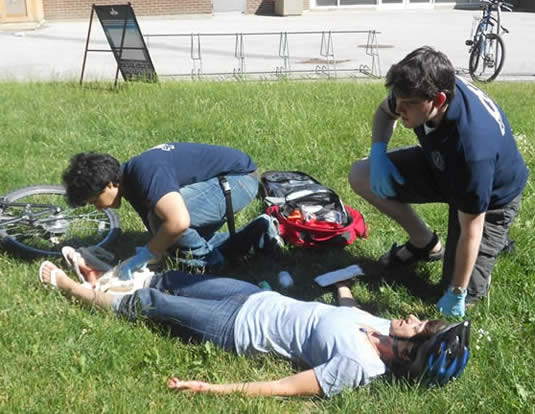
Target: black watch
457,290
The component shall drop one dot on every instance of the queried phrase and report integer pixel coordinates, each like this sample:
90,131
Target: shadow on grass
304,265
412,278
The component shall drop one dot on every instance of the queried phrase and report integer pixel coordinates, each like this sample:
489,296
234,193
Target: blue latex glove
382,171
452,304
142,257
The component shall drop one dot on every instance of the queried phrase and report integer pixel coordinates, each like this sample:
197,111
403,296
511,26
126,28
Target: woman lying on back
341,346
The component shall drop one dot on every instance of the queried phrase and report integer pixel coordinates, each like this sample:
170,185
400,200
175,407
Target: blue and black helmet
443,356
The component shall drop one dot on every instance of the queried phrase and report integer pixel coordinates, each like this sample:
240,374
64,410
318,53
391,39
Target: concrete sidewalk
55,50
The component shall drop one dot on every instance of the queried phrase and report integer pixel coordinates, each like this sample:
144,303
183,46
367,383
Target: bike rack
195,53
239,54
372,50
284,54
327,51
246,65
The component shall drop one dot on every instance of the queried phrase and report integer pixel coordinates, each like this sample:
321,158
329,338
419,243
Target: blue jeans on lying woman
203,305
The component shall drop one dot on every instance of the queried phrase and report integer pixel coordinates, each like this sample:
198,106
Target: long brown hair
431,328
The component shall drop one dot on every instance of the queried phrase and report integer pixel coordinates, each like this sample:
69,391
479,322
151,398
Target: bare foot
63,282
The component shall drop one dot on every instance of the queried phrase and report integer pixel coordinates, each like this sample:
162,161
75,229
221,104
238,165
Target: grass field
57,356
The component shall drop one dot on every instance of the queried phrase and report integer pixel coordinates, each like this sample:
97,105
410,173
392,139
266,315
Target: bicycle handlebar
498,3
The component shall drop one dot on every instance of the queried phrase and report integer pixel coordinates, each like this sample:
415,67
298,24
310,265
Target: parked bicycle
487,50
36,220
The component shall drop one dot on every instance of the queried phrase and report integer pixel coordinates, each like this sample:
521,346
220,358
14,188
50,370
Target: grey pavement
55,50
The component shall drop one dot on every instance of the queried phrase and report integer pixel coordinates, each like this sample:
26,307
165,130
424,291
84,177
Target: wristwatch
457,290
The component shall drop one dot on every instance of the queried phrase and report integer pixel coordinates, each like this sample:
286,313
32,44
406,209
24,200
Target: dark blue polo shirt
165,168
473,154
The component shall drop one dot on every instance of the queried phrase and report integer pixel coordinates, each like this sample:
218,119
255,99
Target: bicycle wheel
39,222
487,58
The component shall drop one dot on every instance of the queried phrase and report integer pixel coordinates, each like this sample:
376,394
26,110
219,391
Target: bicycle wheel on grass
40,222
487,58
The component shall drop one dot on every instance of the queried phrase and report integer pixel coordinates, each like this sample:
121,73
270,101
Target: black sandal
419,254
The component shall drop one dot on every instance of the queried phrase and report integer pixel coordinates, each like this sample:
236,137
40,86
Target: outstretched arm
467,247
344,295
453,303
304,383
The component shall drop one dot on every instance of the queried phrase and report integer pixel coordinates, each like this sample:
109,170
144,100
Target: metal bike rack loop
264,60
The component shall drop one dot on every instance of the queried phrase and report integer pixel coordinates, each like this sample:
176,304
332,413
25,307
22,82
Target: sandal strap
422,252
53,278
425,253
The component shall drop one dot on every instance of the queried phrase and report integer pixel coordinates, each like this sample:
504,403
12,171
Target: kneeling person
467,157
175,188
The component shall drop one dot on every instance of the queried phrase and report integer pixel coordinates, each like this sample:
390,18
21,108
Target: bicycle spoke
38,221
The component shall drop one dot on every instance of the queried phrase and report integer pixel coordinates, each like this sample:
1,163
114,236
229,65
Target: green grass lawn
57,356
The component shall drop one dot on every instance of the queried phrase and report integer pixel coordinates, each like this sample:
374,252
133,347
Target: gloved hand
452,304
382,171
140,260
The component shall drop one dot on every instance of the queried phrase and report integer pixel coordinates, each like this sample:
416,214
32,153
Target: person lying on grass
342,346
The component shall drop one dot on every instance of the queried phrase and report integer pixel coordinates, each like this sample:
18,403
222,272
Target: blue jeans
206,206
201,306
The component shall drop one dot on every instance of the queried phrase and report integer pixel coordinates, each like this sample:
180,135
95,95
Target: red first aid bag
309,214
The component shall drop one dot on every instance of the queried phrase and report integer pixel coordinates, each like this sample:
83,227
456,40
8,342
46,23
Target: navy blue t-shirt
473,154
165,168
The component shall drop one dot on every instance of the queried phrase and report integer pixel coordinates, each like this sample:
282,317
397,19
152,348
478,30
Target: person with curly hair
178,190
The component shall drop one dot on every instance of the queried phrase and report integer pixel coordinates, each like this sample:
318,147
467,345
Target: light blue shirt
325,337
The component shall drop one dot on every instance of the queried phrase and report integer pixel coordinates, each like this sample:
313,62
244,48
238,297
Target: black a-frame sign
126,42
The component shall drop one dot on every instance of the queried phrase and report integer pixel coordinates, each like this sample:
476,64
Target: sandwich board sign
125,40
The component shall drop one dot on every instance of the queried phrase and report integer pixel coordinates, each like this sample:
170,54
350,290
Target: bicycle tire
478,66
47,234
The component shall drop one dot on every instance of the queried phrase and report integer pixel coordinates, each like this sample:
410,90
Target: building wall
268,6
76,9
260,6
34,13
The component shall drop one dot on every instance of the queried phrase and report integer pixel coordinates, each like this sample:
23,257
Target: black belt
225,186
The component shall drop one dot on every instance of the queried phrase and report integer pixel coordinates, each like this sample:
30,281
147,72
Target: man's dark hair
88,175
422,73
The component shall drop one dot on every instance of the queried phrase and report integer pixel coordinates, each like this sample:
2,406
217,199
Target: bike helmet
443,356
